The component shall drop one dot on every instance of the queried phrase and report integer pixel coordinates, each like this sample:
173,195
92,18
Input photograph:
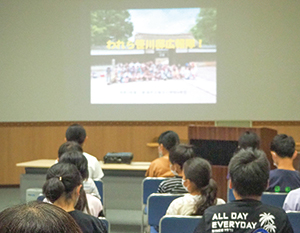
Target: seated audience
177,156
37,217
201,187
160,167
92,205
285,177
292,201
249,139
71,149
63,187
77,134
249,174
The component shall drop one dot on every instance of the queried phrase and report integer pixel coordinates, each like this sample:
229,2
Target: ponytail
82,202
61,179
53,189
198,171
208,197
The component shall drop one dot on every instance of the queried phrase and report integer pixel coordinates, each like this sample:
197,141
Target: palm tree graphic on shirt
267,222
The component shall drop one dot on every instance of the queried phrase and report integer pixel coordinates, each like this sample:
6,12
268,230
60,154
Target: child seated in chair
285,177
201,187
177,156
249,174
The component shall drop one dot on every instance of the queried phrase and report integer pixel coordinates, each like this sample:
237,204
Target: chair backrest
294,217
149,186
99,185
40,197
230,196
270,198
178,224
106,223
157,205
275,199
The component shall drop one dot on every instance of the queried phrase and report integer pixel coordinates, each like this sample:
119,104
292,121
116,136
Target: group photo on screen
151,56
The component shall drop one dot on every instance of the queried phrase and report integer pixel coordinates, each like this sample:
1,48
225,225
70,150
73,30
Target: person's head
39,217
78,159
166,141
249,173
283,146
69,146
197,180
249,139
178,155
63,180
76,133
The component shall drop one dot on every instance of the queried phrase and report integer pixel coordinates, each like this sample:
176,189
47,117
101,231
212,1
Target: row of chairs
275,199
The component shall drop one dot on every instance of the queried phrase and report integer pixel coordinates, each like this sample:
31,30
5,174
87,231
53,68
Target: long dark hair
61,179
79,160
198,171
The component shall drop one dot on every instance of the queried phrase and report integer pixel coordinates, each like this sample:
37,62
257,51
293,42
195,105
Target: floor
121,221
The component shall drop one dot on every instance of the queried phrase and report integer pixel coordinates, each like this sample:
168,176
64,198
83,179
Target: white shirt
95,171
185,205
90,187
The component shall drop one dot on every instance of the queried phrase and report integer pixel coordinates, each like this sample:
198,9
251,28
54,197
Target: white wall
45,66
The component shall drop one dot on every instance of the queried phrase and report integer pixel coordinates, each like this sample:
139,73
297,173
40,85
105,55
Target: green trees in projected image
111,25
206,26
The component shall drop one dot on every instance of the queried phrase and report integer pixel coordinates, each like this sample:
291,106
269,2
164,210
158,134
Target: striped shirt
172,185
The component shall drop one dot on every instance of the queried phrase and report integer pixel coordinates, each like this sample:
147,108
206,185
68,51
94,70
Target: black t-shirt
88,223
244,216
282,180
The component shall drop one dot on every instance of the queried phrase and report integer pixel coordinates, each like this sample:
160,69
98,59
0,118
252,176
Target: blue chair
275,199
41,198
157,206
230,196
99,185
106,223
178,224
270,198
294,217
149,186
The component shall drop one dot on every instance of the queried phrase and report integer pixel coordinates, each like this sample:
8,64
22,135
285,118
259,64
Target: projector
118,157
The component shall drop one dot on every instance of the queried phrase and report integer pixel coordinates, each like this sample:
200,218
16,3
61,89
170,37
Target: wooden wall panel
24,141
291,128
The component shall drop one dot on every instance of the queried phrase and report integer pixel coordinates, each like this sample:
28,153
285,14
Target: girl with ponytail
63,187
201,187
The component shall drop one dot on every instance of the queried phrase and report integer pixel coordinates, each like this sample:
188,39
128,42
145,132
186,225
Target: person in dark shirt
285,178
249,174
249,139
62,188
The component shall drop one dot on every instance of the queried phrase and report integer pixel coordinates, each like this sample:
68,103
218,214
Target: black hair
38,217
61,179
181,153
78,159
249,172
81,163
198,170
249,139
168,139
283,145
69,146
76,133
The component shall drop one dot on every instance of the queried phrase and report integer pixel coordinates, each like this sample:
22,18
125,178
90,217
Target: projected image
153,56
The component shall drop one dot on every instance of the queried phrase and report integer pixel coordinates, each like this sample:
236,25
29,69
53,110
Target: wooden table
122,182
